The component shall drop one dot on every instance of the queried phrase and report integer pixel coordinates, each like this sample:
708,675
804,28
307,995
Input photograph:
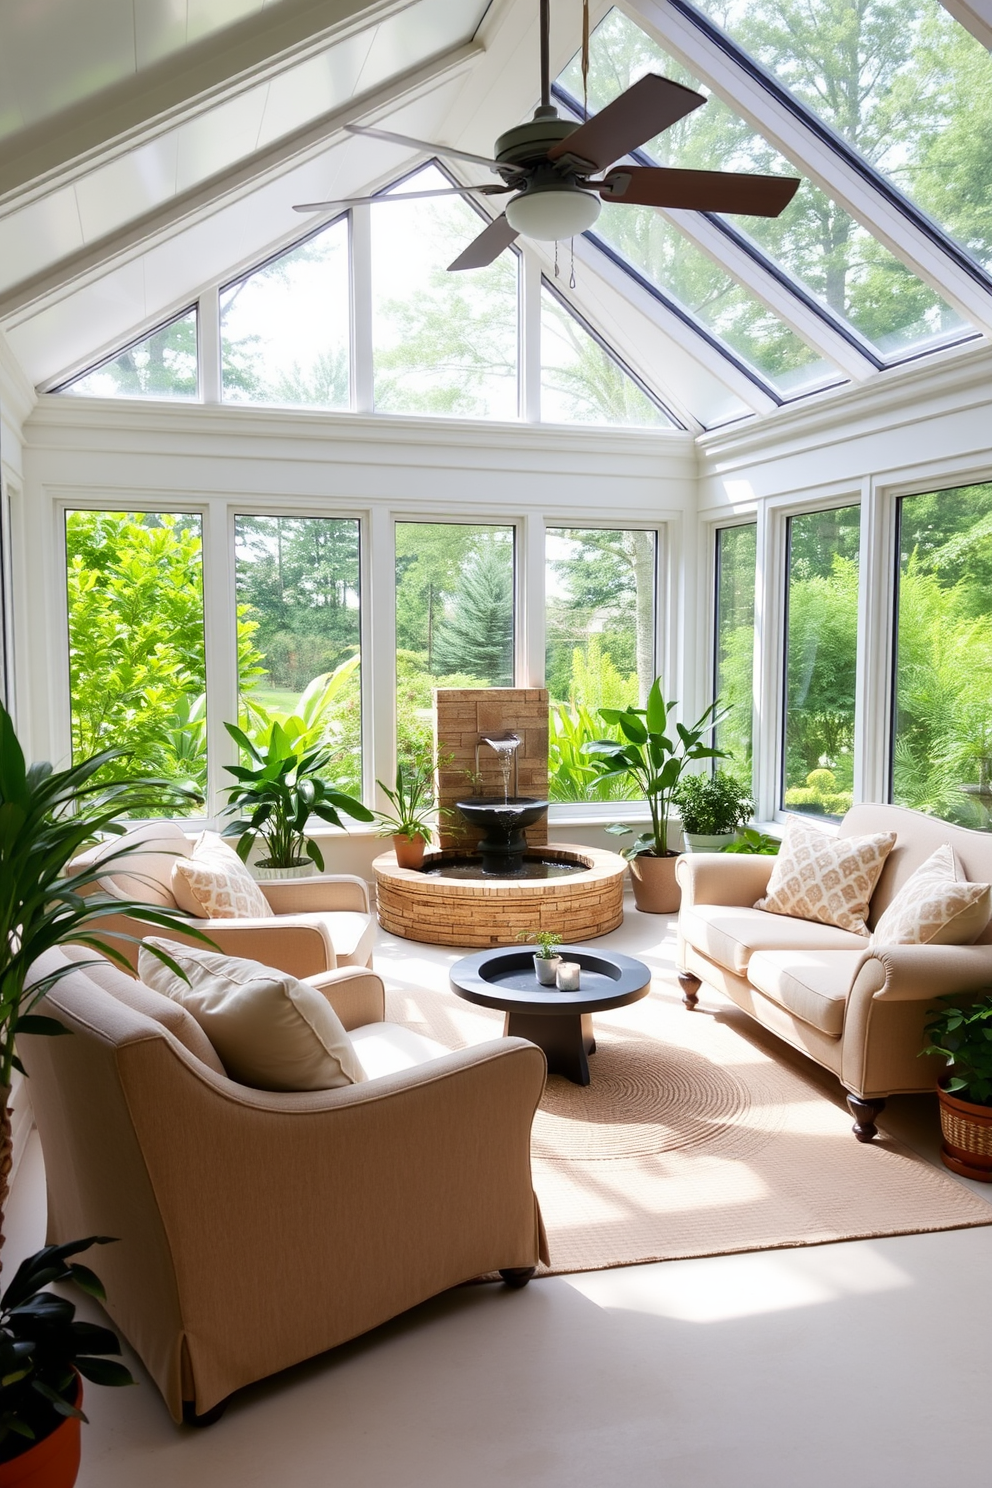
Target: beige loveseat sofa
316,924
257,1229
856,1008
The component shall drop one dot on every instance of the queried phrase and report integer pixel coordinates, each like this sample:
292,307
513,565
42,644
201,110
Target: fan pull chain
585,58
571,277
556,259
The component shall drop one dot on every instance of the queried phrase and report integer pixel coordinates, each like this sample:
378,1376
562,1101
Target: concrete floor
811,1368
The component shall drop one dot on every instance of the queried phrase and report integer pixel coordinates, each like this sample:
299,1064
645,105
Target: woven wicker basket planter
967,1130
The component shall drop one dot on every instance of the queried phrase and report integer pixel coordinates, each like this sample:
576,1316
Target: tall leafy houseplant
46,817
276,795
414,809
654,755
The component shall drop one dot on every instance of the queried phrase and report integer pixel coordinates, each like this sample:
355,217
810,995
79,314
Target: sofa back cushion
145,875
917,838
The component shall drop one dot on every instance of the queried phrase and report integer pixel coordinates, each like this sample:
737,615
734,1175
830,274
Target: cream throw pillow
214,884
827,879
935,906
270,1030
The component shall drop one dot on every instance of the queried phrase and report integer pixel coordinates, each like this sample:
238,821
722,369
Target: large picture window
137,675
299,616
454,616
733,661
942,726
600,648
821,661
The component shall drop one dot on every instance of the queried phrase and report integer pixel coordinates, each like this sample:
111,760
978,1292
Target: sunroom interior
252,457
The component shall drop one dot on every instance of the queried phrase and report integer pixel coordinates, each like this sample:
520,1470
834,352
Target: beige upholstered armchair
317,923
258,1229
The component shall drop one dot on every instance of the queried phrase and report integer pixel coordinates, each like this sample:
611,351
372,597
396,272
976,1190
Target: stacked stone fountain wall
461,714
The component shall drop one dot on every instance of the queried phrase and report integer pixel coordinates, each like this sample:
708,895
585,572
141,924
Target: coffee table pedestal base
567,1040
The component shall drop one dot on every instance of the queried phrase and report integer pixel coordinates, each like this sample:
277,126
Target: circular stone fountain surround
493,911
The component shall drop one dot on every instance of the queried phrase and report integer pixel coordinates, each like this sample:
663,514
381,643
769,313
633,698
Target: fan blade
419,144
397,196
487,247
651,105
698,191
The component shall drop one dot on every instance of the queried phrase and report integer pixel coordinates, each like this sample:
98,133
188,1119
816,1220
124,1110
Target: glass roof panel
814,240
581,382
903,83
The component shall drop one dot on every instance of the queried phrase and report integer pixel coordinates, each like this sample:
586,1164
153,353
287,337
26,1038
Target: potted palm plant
412,818
655,756
44,1356
712,808
274,798
963,1036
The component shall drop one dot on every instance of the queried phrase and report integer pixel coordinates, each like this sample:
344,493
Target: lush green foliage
713,804
572,775
412,798
654,756
41,1344
46,818
963,1035
277,794
753,842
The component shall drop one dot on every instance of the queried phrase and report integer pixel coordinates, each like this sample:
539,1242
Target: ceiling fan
548,165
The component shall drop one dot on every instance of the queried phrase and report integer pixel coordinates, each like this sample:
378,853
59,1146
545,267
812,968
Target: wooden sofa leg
864,1113
208,1418
690,988
517,1276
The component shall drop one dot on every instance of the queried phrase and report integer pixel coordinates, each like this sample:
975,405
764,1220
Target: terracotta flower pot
967,1129
409,851
655,888
51,1463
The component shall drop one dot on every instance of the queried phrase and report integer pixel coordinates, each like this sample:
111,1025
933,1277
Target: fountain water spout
503,822
505,748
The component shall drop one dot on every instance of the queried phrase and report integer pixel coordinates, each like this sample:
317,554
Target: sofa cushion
730,934
827,879
352,936
145,875
812,985
935,906
387,1048
271,1031
214,884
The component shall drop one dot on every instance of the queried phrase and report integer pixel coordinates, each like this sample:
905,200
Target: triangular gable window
162,364
582,382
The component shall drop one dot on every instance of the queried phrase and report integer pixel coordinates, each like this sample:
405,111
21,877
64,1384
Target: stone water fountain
495,874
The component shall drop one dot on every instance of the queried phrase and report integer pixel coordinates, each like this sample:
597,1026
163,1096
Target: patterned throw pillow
936,907
214,884
828,879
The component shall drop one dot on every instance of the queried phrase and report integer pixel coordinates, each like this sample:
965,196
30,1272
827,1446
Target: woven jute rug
702,1135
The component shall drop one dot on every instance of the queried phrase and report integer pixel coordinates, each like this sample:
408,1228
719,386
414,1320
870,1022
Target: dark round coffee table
560,1023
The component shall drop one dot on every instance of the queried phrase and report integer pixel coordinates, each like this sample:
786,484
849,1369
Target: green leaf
657,713
35,1023
104,1371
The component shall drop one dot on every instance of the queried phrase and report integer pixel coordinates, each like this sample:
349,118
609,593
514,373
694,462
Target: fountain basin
503,823
427,906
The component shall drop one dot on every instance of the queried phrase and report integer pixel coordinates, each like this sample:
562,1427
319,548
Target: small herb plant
750,840
713,804
963,1036
42,1344
547,942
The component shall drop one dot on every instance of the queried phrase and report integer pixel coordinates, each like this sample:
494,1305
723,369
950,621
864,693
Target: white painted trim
208,343
362,356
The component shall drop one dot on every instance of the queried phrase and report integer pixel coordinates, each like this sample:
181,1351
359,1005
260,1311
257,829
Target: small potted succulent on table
546,957
412,818
712,808
963,1036
44,1352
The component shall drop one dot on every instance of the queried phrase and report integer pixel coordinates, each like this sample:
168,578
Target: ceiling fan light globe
553,213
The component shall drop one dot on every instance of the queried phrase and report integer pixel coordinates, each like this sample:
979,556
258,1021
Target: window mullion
362,371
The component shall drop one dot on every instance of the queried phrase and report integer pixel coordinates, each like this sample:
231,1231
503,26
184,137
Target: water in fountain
504,750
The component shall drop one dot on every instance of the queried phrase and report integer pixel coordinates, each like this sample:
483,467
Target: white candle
568,976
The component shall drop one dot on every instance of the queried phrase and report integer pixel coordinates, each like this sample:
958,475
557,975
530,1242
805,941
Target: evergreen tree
477,635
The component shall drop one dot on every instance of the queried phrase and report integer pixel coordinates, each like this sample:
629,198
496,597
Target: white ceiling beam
975,16
138,108
211,195
814,158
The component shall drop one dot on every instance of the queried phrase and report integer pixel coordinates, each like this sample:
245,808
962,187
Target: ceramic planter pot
51,1463
655,888
967,1129
302,868
546,969
409,851
707,841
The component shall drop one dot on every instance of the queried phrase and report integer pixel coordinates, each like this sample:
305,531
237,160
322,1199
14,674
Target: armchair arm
383,1194
356,995
723,878
300,944
340,891
922,973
